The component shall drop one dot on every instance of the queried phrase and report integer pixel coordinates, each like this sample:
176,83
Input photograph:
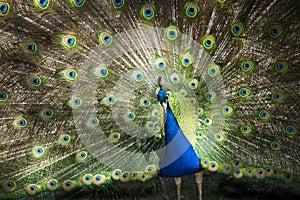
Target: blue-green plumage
180,157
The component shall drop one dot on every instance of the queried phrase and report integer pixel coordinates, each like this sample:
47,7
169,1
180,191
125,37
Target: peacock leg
162,181
199,178
178,184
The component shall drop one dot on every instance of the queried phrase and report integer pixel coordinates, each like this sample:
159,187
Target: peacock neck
180,157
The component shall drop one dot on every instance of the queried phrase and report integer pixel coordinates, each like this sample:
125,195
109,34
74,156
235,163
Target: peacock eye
227,110
3,96
46,114
281,66
213,70
81,156
174,78
114,137
208,121
118,3
172,32
247,66
102,71
160,63
41,4
291,130
38,151
52,184
275,30
213,166
99,179
105,38
116,174
77,3
220,137
30,48
9,185
64,139
130,116
68,41
193,84
4,9
68,185
87,179
276,146
245,92
147,12
191,10
208,42
210,96
20,122
264,115
75,102
137,76
245,129
186,59
145,101
237,29
32,189
69,74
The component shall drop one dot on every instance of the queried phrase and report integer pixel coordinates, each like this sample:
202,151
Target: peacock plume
114,95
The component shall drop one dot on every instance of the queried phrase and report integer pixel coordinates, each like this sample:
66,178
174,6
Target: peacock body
99,93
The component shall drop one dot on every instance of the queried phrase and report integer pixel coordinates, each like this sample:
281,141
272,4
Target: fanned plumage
79,85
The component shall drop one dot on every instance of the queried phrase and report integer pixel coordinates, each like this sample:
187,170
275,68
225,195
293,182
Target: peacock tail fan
78,91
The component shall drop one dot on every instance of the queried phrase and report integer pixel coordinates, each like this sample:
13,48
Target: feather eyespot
147,12
64,139
210,96
213,70
38,151
4,9
172,32
46,113
3,96
174,78
87,179
68,185
275,30
32,189
291,130
186,59
118,3
281,66
9,185
68,41
81,156
30,48
160,63
247,66
20,123
244,92
191,10
99,179
41,4
69,74
193,84
237,29
75,102
208,42
245,129
52,184
77,3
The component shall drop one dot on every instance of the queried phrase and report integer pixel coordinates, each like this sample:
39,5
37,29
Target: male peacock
105,92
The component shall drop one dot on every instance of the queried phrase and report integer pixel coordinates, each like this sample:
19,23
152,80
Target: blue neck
179,157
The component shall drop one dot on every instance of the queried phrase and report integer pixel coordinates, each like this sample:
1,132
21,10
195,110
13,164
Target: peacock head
162,95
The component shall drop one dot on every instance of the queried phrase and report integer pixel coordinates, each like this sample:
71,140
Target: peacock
109,96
